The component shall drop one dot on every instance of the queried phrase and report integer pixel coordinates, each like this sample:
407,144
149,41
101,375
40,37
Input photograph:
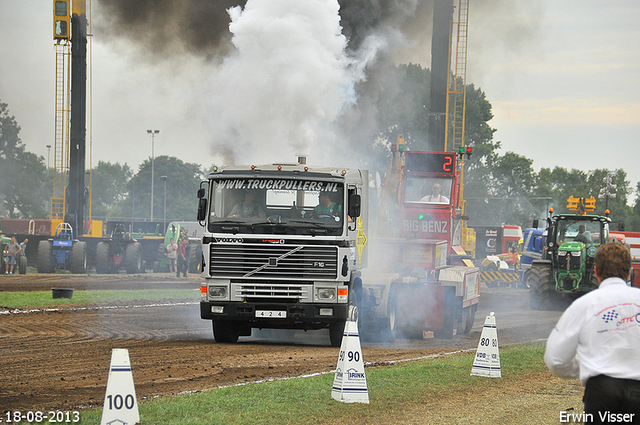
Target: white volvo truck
283,247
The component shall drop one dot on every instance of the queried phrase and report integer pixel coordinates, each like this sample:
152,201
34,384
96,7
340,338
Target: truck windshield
427,190
276,206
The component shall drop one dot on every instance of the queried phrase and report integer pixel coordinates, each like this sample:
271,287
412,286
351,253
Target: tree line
498,187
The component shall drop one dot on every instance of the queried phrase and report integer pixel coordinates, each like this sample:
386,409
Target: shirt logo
610,316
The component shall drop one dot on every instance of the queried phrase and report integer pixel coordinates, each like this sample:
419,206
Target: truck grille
266,292
282,262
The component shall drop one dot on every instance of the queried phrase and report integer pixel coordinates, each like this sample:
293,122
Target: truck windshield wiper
307,223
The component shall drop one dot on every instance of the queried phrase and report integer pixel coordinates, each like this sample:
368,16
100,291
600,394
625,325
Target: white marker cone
350,382
120,402
487,361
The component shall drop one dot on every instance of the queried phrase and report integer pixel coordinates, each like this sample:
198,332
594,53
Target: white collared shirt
599,334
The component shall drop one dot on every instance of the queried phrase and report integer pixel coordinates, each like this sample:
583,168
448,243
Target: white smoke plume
279,93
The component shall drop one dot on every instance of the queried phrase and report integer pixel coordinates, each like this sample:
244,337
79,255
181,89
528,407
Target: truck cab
283,247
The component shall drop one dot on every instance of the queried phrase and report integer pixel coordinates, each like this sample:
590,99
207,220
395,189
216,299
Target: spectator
12,250
597,339
182,258
172,255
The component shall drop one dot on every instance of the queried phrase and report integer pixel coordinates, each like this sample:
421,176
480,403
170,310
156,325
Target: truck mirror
201,193
202,208
354,205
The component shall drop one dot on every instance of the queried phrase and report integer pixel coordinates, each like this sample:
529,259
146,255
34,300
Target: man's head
612,260
581,228
13,239
437,189
324,199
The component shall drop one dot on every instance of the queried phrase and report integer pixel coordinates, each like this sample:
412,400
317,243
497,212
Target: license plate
276,314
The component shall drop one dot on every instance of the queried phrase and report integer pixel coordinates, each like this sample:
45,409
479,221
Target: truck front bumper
265,315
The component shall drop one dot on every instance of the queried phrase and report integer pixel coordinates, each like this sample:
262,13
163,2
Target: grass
44,298
394,391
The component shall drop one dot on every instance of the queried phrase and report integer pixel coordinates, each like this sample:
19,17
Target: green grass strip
393,391
38,299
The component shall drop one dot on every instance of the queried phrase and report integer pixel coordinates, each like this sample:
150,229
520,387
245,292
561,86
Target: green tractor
566,270
174,230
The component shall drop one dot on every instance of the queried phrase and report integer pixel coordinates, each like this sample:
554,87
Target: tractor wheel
22,264
133,258
225,331
45,257
195,258
79,257
103,262
540,291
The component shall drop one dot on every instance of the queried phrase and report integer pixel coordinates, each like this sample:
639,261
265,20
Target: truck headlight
217,292
575,253
562,253
326,294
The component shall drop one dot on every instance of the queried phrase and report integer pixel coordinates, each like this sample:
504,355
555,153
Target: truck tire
468,317
491,268
103,262
336,331
45,258
526,280
225,331
22,264
449,315
79,257
392,313
540,292
133,258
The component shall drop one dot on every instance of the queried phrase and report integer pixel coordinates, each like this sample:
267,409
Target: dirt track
60,359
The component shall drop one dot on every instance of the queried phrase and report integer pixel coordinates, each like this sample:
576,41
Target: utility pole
153,139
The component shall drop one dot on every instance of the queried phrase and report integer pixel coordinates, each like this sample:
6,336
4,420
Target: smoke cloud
289,77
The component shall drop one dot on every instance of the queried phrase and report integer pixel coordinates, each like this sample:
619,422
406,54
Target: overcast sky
562,77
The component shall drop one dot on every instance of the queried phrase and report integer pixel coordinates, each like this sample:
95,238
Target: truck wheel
45,258
22,265
133,258
449,315
467,319
540,286
388,333
491,268
79,257
526,281
103,262
336,330
225,331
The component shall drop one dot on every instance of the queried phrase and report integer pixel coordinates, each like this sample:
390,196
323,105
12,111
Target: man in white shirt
436,196
597,340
